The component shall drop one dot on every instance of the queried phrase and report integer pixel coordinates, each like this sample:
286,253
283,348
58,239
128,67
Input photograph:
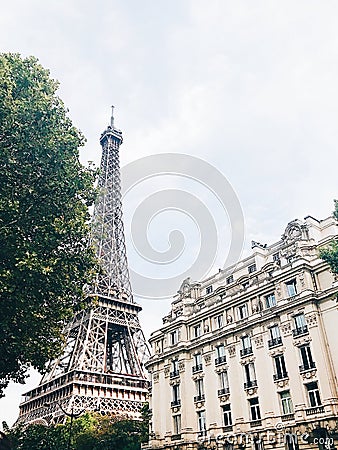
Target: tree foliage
44,197
89,432
330,253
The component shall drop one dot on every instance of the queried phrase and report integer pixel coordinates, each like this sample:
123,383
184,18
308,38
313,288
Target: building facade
248,358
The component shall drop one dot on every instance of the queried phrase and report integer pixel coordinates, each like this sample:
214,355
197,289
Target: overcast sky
249,86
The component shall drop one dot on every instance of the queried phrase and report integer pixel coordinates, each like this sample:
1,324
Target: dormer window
276,257
230,279
252,268
208,289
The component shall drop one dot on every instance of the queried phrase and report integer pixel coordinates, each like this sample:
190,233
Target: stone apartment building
248,357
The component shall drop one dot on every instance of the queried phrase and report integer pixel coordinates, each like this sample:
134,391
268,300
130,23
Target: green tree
90,432
45,193
330,253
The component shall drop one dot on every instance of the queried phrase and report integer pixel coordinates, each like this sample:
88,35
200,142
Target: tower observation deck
102,364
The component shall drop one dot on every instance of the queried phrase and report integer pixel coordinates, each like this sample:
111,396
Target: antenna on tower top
112,117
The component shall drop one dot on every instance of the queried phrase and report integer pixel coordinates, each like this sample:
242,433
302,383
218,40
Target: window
300,325
275,337
306,358
208,290
197,331
223,382
201,421
286,402
197,367
199,390
219,321
252,268
220,354
177,424
176,395
246,346
291,288
242,311
174,368
270,300
174,337
280,368
276,257
255,413
249,375
230,279
313,394
197,359
227,419
300,321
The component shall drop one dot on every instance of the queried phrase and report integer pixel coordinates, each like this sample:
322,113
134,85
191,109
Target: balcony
174,374
175,437
246,351
197,368
199,398
306,367
314,410
275,342
223,391
250,384
255,423
299,331
280,376
220,360
287,417
176,402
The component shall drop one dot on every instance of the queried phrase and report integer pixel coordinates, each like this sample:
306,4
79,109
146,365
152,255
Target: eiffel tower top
108,230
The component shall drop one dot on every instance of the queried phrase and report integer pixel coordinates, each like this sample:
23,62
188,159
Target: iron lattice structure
102,365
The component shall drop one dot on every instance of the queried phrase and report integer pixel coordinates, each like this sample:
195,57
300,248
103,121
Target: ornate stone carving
278,290
259,342
251,391
224,398
207,359
311,320
301,278
181,366
232,350
197,376
295,231
301,340
229,319
221,368
277,351
156,377
199,405
286,328
309,374
166,371
282,383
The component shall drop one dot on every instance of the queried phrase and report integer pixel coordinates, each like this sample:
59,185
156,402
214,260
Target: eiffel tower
102,365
